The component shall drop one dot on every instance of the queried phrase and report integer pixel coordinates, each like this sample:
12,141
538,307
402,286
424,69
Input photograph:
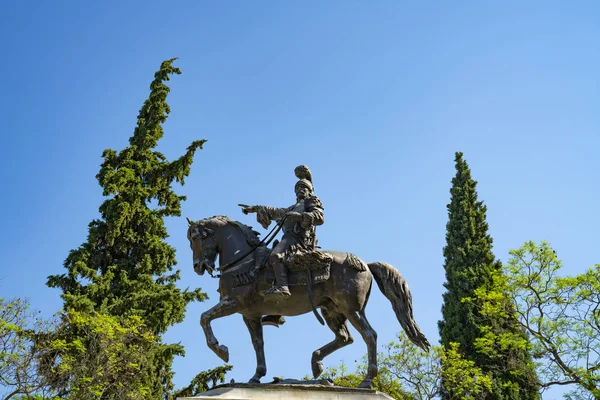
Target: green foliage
418,372
125,268
469,262
406,372
383,382
200,382
462,378
470,265
93,356
18,351
560,314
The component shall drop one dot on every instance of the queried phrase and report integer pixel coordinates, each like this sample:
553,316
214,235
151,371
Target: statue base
247,391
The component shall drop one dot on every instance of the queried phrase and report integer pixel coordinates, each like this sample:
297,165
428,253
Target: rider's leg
280,271
281,280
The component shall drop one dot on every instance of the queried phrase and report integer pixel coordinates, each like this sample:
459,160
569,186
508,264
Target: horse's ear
190,222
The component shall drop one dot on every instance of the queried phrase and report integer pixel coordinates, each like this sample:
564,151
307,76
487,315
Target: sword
309,282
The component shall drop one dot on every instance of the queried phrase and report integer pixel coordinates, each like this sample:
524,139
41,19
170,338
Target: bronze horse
343,297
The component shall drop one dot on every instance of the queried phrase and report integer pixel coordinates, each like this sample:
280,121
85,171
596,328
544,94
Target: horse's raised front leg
256,333
224,308
337,323
360,323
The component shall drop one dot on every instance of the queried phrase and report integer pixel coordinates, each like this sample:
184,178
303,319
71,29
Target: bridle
203,234
209,233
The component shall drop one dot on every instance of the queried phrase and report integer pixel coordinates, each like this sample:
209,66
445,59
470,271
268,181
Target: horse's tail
394,287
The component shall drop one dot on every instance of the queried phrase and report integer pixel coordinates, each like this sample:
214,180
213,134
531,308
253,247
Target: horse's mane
250,234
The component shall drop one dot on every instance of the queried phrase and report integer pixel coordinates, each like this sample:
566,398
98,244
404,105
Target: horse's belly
296,304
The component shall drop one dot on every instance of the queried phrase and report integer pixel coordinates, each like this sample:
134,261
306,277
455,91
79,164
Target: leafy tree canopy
125,268
561,314
470,265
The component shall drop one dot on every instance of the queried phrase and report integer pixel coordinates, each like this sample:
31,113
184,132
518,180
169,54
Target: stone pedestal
241,391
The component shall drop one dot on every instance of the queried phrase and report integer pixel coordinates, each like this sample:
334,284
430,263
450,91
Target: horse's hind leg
256,333
337,323
360,323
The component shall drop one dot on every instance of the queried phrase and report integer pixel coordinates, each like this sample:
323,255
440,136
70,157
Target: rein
264,241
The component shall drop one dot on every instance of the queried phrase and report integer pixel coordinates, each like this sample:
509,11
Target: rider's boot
281,282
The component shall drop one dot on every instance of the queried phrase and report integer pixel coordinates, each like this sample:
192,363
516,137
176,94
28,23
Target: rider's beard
301,196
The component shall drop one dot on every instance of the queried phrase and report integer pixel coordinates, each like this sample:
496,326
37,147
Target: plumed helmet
305,177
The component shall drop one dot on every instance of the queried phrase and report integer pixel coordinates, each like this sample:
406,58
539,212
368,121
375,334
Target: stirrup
273,320
277,290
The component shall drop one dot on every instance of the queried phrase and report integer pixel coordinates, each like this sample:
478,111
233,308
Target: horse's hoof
254,380
317,369
223,353
366,384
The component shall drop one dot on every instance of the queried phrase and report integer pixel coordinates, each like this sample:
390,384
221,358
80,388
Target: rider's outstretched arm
274,213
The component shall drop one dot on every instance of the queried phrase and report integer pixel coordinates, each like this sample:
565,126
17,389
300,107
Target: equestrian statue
293,278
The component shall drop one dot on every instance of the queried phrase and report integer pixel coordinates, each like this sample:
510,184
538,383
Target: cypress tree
470,265
125,268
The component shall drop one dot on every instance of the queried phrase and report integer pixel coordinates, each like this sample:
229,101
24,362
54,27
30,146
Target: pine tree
471,265
125,268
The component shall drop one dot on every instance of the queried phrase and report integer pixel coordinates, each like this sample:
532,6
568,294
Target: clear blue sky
374,96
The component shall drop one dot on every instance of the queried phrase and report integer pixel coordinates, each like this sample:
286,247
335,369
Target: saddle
298,265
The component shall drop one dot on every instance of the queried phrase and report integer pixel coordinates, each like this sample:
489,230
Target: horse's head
204,246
